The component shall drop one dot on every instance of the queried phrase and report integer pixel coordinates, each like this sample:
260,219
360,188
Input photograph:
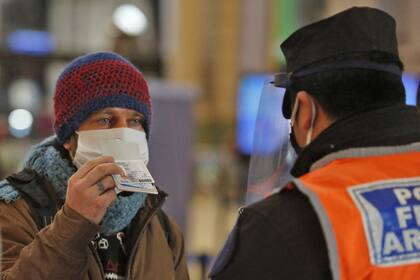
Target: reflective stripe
326,228
364,152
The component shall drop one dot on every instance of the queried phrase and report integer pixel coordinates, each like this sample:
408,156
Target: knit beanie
93,82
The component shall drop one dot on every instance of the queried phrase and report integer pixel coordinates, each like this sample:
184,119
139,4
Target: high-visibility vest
368,205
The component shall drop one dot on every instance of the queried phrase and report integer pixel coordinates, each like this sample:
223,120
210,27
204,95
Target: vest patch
391,218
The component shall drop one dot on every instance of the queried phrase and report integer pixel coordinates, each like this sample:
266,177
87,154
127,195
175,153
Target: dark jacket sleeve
278,238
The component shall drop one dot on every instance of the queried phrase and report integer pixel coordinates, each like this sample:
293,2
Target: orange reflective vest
368,203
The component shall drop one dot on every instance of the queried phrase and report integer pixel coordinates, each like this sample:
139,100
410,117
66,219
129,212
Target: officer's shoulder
284,198
269,219
285,204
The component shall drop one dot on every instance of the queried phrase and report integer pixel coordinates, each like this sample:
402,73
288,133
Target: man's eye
104,121
137,121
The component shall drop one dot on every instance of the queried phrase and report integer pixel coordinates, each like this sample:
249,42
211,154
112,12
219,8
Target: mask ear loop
294,112
309,135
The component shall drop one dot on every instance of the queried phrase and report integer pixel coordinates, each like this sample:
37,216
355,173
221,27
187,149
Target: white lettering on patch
391,217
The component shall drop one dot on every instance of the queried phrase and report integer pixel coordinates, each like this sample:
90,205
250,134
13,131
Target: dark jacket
281,236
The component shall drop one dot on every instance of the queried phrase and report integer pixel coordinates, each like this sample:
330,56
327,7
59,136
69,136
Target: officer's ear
304,114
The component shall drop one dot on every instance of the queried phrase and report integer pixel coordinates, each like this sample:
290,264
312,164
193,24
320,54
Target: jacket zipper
130,259
133,250
98,260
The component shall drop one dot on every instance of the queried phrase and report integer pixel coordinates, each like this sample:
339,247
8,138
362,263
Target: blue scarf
46,160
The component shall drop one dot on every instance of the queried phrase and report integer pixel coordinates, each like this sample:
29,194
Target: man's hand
91,189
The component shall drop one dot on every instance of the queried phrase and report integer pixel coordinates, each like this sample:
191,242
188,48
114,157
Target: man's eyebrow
111,111
137,114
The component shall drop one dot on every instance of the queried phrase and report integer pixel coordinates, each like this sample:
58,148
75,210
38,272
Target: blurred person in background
61,217
353,209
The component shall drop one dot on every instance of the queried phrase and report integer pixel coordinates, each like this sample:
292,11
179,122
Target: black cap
355,30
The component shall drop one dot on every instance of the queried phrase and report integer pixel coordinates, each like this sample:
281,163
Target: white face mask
120,143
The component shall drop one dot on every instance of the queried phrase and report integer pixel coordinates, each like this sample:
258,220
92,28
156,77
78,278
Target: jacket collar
385,127
152,205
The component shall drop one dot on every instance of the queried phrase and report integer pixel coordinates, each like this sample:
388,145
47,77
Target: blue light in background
250,88
411,84
31,42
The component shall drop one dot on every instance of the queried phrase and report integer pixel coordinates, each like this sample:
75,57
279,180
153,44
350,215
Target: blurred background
206,61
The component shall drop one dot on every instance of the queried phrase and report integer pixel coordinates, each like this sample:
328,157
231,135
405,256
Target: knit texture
97,81
46,160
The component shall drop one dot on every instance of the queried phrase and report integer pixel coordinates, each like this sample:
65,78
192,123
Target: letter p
402,195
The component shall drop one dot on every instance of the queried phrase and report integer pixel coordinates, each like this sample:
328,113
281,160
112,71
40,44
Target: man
353,211
61,217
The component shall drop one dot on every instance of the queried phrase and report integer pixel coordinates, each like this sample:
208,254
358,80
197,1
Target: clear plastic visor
272,156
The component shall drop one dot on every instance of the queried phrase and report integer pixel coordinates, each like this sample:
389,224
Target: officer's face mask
121,143
293,141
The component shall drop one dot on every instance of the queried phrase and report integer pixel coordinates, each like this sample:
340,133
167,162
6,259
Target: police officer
353,209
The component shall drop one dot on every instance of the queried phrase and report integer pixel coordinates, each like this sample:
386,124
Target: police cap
356,30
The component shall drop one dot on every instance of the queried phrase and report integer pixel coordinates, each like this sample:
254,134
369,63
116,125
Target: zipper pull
120,236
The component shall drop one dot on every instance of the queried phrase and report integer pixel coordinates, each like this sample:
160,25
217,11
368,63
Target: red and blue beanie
96,81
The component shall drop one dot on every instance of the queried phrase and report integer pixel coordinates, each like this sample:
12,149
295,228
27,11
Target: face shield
272,156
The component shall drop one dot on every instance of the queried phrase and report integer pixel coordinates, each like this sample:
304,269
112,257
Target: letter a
392,244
